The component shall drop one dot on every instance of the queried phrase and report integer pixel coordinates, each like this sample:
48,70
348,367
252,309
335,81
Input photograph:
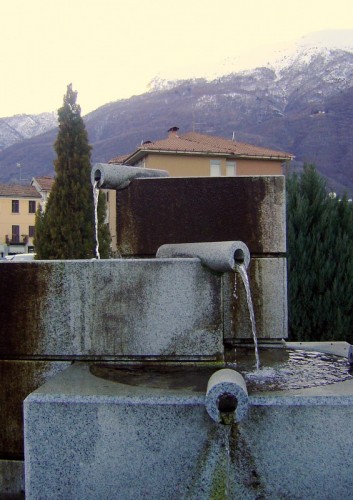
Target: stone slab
89,438
111,308
18,379
154,212
101,448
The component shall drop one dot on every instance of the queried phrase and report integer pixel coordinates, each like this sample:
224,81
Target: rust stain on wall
23,287
152,212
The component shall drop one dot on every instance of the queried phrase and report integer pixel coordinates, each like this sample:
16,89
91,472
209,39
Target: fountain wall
54,313
120,422
248,209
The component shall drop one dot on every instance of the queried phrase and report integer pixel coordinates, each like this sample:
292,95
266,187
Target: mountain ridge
304,107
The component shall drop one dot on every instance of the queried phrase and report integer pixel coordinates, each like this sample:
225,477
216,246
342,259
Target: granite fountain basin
134,432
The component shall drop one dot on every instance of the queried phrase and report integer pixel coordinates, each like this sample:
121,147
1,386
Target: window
215,168
31,231
15,206
231,169
32,207
15,234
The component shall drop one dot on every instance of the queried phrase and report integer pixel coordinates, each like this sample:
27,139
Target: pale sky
112,49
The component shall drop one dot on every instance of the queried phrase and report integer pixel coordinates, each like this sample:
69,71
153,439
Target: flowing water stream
95,201
241,269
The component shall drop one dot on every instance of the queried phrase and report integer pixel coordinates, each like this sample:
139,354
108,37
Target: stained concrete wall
153,212
141,309
56,312
113,308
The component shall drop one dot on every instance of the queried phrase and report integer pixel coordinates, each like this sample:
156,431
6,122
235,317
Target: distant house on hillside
194,154
18,205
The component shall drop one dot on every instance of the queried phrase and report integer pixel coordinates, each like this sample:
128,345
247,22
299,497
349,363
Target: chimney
172,132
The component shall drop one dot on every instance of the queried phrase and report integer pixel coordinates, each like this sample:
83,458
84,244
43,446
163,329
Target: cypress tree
320,260
66,229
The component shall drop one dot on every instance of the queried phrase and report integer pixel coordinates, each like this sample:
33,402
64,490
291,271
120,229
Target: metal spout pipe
226,398
110,176
221,256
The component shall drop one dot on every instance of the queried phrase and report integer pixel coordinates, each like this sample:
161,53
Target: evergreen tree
320,260
66,229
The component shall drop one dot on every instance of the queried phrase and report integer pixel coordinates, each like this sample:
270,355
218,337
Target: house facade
198,155
18,206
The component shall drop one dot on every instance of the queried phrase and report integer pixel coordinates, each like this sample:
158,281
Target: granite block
89,438
147,307
18,379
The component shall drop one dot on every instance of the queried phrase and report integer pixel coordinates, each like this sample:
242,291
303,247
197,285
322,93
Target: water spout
220,256
108,176
227,404
226,397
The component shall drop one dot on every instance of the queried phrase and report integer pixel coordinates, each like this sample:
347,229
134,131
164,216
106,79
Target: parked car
21,257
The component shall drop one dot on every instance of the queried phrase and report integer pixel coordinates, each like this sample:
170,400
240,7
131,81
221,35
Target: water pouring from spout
95,201
241,270
221,256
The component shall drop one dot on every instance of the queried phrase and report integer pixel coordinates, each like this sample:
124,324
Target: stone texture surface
111,308
249,209
89,438
108,438
296,451
18,379
268,285
12,479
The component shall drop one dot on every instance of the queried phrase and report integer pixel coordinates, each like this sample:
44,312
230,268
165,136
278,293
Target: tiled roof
119,159
45,183
18,191
193,142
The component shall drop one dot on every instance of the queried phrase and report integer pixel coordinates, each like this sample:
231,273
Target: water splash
95,201
241,269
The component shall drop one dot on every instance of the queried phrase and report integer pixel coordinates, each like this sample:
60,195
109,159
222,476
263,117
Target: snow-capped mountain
19,127
277,57
300,102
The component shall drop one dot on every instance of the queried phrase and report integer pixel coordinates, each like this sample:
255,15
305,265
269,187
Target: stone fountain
133,365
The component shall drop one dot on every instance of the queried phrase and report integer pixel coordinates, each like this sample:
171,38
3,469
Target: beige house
18,205
193,155
198,155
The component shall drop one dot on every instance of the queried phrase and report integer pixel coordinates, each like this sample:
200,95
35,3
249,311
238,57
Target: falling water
241,269
95,200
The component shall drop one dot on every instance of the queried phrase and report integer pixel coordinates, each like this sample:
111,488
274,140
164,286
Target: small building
198,155
43,185
193,154
18,206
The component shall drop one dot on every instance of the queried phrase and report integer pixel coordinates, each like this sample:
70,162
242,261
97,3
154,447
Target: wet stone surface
279,370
